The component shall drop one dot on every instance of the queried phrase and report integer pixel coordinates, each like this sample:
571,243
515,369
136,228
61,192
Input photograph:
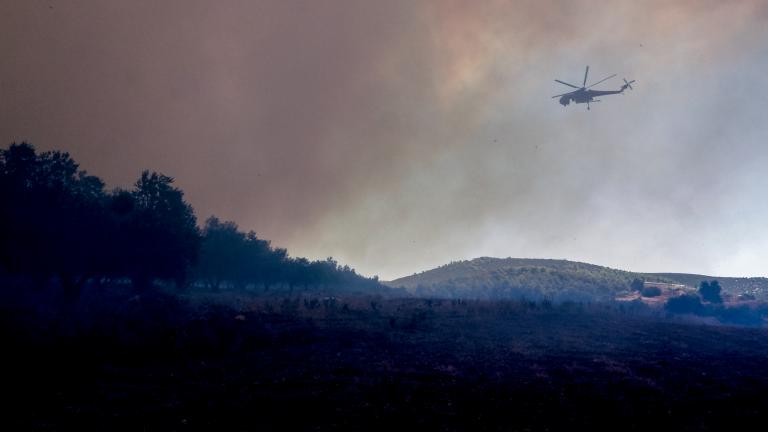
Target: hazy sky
399,135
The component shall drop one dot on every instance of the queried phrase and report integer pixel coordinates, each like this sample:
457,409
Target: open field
156,363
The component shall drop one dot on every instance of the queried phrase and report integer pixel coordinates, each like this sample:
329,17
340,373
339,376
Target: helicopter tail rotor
628,84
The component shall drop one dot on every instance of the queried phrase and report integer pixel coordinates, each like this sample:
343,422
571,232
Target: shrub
651,291
710,291
637,284
686,303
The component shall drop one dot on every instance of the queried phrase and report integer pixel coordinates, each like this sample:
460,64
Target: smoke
400,135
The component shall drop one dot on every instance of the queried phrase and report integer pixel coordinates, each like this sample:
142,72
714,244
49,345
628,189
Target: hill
504,278
497,278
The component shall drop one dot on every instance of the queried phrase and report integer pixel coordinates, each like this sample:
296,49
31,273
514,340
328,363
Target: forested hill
490,278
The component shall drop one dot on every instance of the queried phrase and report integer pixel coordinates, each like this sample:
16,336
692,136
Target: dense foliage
685,304
745,287
713,308
710,291
650,291
59,223
230,257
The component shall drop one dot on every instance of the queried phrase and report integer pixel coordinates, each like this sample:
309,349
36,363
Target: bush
651,291
685,304
710,291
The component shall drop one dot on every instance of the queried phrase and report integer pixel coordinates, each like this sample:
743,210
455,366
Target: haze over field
400,135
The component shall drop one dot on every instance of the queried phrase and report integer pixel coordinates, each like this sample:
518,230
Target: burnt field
162,362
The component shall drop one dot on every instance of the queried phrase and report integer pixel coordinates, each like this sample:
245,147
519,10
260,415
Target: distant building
663,285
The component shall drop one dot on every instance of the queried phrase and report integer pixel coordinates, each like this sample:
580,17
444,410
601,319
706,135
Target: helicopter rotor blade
560,95
586,72
604,79
569,85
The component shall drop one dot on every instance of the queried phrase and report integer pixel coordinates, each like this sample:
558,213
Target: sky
400,135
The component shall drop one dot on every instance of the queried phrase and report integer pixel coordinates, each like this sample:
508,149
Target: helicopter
583,94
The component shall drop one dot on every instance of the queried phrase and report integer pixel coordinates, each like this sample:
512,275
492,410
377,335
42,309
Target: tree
637,284
21,209
54,222
162,239
710,291
222,253
228,254
265,263
118,252
684,304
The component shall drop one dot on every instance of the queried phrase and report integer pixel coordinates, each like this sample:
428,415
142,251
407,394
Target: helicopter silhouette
583,94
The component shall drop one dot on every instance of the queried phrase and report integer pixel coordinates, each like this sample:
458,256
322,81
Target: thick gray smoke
400,135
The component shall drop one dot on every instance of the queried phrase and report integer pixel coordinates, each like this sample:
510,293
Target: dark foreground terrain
158,362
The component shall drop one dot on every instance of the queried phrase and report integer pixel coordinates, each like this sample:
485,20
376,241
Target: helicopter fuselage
585,94
581,96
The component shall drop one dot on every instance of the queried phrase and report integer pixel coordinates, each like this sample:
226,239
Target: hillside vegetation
510,278
504,278
756,287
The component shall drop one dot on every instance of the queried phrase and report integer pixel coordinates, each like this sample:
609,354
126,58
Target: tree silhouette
59,222
710,291
162,235
222,253
651,291
686,303
54,223
236,259
230,255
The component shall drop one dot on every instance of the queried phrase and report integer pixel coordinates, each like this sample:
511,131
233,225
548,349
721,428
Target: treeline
60,223
708,303
232,258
